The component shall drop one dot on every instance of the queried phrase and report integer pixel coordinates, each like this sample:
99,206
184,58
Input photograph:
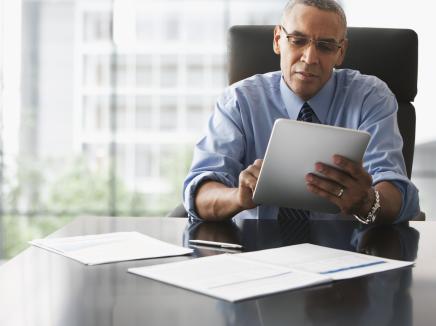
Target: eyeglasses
299,42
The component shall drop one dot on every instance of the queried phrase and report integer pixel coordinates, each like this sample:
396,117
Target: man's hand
348,186
216,202
247,184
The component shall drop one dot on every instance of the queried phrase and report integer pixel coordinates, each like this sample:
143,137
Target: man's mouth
306,74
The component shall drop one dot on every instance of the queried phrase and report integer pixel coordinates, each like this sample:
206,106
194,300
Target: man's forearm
216,202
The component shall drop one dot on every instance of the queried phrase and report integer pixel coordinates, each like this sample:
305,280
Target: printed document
110,247
230,276
235,277
337,264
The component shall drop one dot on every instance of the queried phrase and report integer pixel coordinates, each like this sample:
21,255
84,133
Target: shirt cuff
409,193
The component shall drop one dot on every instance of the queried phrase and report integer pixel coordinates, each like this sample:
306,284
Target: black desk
41,288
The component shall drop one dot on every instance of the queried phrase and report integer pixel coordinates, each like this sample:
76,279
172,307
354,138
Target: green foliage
74,188
85,191
19,230
57,197
174,168
25,182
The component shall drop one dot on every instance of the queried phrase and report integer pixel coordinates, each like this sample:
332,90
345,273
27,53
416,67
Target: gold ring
340,193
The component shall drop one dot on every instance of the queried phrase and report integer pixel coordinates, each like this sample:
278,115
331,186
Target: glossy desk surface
38,287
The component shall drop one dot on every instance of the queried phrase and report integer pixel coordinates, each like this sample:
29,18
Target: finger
344,205
340,177
246,179
254,170
324,184
325,194
258,163
351,167
354,168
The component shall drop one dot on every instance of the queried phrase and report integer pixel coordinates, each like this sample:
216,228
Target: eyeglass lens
322,46
297,41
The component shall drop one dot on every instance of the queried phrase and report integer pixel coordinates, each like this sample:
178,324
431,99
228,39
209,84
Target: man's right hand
247,184
217,202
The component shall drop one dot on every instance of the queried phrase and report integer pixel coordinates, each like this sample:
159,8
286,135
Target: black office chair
390,54
178,211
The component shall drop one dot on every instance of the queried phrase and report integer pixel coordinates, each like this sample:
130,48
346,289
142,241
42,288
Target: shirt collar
320,103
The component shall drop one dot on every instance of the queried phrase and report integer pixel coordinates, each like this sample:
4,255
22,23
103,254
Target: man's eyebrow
324,39
297,33
330,40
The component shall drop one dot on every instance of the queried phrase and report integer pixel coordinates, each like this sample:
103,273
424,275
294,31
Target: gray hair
327,5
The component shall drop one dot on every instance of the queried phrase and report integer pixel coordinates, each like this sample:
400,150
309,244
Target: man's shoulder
265,84
269,80
355,81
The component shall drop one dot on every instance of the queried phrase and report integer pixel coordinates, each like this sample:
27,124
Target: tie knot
306,113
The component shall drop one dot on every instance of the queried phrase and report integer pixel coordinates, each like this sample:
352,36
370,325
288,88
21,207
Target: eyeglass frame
326,50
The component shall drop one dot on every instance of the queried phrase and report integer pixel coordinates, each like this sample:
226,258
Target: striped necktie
306,113
294,223
294,226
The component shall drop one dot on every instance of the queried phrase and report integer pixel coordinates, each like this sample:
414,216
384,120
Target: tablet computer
293,149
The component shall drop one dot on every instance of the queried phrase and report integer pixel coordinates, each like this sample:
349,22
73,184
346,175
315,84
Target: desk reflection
211,231
390,241
379,299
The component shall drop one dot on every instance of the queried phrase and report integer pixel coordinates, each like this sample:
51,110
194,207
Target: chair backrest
389,54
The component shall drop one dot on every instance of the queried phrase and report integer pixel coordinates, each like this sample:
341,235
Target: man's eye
298,41
326,46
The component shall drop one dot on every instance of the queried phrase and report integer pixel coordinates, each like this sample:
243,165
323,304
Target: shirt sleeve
383,158
218,155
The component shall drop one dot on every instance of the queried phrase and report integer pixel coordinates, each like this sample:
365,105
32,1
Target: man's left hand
347,185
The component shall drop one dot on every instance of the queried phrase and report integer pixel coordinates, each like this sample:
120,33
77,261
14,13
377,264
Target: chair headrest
388,53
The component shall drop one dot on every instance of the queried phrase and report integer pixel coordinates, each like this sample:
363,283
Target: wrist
371,214
238,200
368,203
242,199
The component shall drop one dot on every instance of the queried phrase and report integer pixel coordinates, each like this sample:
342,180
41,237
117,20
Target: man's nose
310,54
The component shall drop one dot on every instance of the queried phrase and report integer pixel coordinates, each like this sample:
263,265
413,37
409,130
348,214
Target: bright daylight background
102,100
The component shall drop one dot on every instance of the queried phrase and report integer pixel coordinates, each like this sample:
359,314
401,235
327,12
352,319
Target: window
145,27
169,71
144,113
195,72
96,113
143,161
97,26
195,114
168,114
144,70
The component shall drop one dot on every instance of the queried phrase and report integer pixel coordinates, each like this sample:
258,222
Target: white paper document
110,247
230,276
248,275
335,263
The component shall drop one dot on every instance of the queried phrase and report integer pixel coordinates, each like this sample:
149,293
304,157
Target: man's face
307,68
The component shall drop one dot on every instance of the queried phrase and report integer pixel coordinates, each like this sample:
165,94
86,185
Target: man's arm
216,202
358,196
390,201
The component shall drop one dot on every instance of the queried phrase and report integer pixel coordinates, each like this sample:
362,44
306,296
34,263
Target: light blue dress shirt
240,127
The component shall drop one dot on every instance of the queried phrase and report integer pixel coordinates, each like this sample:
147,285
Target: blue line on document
353,267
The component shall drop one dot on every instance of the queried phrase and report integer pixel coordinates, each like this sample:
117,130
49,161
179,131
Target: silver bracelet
372,214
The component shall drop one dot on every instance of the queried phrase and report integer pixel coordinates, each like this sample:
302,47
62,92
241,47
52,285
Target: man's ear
276,39
342,52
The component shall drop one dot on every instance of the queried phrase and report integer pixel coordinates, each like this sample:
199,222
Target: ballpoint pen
216,244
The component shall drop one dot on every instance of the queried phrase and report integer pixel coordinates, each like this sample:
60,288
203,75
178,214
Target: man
311,41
